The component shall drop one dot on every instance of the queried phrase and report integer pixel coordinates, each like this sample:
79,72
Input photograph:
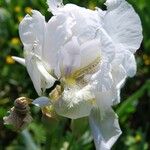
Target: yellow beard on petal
70,81
75,80
90,68
77,76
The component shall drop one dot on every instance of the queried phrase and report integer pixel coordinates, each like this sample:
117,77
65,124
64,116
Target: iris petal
19,60
123,24
54,5
41,102
75,103
105,131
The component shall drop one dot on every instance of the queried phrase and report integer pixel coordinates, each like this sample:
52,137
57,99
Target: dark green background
43,134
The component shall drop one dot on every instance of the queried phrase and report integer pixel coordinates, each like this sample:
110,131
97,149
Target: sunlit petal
19,60
123,24
105,131
31,31
54,5
75,103
58,32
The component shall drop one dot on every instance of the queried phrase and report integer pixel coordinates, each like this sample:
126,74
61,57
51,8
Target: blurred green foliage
62,134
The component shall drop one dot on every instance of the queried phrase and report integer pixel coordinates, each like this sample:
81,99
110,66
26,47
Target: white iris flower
90,53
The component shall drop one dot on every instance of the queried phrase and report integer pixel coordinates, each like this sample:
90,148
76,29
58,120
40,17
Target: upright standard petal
68,58
123,24
105,131
54,5
57,33
90,51
89,18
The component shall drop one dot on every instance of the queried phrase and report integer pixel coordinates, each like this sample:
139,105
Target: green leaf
129,106
28,141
